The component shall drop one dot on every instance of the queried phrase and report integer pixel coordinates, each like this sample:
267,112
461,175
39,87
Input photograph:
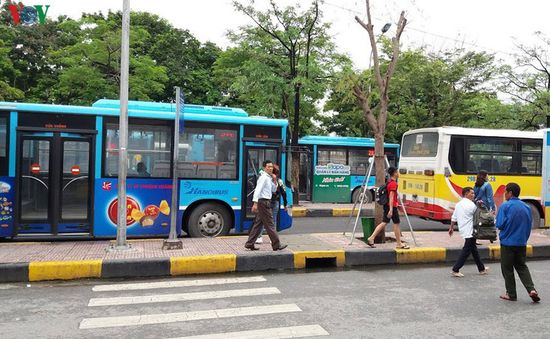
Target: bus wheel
209,220
357,192
535,215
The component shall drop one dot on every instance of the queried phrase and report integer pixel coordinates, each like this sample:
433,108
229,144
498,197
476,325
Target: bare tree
377,122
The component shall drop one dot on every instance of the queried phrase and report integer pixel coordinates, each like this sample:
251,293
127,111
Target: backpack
484,224
382,195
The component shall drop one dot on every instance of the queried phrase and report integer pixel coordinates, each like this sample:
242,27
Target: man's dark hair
264,164
466,190
514,188
391,171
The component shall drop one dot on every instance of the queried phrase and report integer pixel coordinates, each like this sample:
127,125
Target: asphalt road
338,224
374,302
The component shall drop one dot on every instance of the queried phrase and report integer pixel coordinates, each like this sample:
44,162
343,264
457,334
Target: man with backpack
387,196
463,215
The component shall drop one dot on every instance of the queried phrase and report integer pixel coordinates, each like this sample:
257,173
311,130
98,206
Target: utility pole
121,243
173,242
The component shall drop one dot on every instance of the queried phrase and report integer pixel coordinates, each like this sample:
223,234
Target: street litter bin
368,226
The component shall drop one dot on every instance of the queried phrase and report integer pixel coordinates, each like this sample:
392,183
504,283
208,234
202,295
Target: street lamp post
121,243
384,30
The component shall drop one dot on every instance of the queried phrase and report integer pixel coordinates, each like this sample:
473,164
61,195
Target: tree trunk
380,163
296,155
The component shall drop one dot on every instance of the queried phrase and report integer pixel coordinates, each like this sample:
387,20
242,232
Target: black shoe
252,248
281,247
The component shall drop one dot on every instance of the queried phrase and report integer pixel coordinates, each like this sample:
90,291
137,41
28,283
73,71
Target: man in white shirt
463,215
262,207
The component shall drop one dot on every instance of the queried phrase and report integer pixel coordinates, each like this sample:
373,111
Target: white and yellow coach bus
435,164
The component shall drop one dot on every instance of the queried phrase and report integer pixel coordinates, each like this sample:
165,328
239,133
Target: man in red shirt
390,213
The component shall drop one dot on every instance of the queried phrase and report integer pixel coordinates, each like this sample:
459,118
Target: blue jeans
275,205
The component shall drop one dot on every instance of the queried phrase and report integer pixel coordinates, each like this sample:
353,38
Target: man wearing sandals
391,212
514,222
463,215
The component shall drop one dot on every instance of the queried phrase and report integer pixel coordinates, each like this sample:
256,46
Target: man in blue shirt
514,223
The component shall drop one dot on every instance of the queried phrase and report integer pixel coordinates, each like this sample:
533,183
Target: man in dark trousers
463,216
265,187
514,222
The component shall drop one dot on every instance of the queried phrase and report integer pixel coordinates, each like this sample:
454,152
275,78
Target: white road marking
268,333
164,318
172,284
159,298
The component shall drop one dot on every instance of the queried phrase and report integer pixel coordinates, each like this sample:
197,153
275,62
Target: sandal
534,296
507,297
371,244
403,247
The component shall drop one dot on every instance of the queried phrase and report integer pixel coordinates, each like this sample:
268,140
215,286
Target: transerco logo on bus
199,191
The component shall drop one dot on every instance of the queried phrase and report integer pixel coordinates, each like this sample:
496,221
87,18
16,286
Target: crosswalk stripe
268,333
159,298
171,284
150,319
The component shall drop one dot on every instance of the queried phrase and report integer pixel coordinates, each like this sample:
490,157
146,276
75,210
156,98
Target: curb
250,261
301,212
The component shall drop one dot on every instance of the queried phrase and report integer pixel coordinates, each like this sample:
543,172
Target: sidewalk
310,209
35,261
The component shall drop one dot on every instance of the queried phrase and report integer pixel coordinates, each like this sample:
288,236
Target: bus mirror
447,172
402,171
429,172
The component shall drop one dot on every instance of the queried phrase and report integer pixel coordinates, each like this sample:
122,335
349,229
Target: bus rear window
420,145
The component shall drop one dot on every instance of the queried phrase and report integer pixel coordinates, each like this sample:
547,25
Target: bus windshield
422,144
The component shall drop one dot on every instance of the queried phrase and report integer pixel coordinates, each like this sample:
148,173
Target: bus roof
142,109
489,132
341,141
171,107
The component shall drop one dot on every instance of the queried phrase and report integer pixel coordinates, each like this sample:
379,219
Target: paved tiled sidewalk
15,252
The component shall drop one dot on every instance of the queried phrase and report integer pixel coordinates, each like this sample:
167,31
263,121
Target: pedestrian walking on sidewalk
514,222
463,215
483,190
391,213
275,199
262,207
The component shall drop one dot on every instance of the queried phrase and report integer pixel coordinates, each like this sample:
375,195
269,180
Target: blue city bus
351,151
59,168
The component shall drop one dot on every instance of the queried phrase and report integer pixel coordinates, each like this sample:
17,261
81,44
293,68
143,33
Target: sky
490,25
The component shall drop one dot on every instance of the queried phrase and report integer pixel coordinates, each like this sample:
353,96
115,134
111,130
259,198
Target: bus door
255,155
55,181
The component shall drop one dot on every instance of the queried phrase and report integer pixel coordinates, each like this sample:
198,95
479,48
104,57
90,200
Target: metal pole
173,242
362,200
123,128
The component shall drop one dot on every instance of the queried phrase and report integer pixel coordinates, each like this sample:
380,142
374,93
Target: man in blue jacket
514,223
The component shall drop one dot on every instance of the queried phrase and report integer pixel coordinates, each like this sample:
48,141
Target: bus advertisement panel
148,211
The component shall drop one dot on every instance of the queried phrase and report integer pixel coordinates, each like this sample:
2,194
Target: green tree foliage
528,83
449,89
77,61
284,52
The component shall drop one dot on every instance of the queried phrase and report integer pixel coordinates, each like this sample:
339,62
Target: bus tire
357,192
535,216
209,220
